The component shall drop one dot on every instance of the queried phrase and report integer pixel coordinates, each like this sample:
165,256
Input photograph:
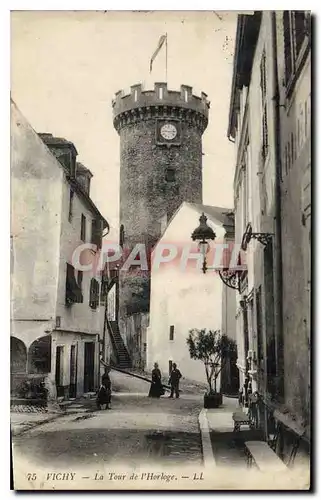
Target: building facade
183,297
270,124
160,167
56,315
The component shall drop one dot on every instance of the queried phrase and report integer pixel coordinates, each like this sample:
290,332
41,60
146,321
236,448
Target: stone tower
160,167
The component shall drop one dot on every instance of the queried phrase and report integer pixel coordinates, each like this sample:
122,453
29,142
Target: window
296,32
71,202
73,290
265,142
83,228
94,294
171,332
170,175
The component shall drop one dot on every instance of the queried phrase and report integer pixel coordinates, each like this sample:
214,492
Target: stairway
123,358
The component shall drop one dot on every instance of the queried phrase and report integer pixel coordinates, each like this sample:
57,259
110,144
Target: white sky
67,65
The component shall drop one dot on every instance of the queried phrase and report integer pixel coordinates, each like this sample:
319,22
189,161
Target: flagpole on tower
166,62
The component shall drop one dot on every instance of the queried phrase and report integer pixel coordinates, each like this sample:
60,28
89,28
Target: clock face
168,131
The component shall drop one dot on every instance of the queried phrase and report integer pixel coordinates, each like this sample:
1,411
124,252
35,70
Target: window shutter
80,276
71,200
264,106
83,228
287,46
94,294
300,21
96,232
121,235
73,294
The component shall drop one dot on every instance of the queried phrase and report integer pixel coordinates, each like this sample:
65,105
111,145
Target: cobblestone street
137,429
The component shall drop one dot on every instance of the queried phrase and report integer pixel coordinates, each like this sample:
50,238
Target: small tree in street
213,349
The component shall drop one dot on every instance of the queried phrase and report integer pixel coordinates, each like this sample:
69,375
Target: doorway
59,370
73,372
89,373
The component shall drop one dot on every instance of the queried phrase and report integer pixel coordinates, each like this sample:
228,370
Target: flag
159,46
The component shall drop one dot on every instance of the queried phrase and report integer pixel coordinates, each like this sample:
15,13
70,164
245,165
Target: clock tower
160,134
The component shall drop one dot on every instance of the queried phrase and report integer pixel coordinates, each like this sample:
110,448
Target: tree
213,349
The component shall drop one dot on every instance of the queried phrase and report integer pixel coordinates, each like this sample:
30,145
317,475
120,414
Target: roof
49,139
224,216
82,169
218,215
248,27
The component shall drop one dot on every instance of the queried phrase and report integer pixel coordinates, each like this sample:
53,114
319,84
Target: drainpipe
278,278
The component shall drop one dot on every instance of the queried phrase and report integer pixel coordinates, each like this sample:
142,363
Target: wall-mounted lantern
203,233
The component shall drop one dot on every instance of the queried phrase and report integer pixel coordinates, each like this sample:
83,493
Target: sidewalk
218,420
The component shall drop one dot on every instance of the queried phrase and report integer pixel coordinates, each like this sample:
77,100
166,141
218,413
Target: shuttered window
296,33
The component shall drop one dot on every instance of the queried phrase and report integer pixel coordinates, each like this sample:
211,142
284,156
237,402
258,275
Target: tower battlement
139,102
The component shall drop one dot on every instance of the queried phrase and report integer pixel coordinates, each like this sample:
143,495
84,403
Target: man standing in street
174,379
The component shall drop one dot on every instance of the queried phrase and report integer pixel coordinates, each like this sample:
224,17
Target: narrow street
135,431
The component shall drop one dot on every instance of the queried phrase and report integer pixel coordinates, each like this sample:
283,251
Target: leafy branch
213,349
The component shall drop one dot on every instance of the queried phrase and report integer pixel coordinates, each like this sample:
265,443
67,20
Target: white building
56,314
182,297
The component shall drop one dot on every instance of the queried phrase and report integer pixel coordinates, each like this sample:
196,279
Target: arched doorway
18,352
39,355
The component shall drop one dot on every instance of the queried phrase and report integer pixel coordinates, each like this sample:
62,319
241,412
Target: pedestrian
104,394
156,389
174,379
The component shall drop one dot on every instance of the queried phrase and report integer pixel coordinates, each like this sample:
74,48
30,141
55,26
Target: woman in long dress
104,393
156,389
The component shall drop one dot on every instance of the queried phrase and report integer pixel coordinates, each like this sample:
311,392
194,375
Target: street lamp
203,233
